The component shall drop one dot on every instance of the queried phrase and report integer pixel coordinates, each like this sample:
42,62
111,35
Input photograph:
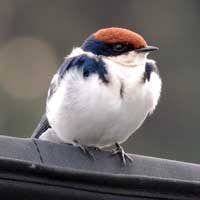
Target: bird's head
119,44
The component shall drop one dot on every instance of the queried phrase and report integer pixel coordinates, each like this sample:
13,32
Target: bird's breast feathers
95,94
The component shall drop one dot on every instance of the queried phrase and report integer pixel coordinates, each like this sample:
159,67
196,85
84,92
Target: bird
102,92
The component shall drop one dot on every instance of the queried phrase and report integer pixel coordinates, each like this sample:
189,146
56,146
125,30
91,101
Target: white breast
95,113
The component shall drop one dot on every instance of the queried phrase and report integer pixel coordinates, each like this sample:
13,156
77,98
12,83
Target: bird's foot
123,155
84,149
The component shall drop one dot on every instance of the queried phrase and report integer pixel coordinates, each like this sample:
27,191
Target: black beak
147,49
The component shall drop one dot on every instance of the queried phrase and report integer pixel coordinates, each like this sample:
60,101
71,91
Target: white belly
95,114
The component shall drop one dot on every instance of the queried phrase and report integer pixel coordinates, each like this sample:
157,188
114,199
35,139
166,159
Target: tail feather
41,128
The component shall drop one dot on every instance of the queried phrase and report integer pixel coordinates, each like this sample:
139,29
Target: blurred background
35,36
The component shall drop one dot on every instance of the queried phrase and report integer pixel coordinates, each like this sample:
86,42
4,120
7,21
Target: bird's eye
119,47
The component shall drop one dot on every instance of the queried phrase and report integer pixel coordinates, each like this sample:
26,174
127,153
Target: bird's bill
147,49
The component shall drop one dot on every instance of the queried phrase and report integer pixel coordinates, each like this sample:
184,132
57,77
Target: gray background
36,35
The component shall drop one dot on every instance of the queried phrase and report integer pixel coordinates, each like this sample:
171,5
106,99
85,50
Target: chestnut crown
115,41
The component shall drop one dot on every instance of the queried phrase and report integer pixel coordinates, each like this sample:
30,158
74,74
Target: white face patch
131,58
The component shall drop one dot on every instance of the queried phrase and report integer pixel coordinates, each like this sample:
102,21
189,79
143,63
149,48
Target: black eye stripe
119,48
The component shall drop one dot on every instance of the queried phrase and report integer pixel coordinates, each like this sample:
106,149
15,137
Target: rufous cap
121,35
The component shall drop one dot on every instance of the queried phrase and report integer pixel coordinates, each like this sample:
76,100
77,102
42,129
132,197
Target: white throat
131,58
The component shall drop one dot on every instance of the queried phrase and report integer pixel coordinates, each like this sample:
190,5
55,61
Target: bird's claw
123,155
84,148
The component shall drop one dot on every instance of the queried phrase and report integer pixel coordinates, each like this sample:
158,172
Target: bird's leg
84,148
123,155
